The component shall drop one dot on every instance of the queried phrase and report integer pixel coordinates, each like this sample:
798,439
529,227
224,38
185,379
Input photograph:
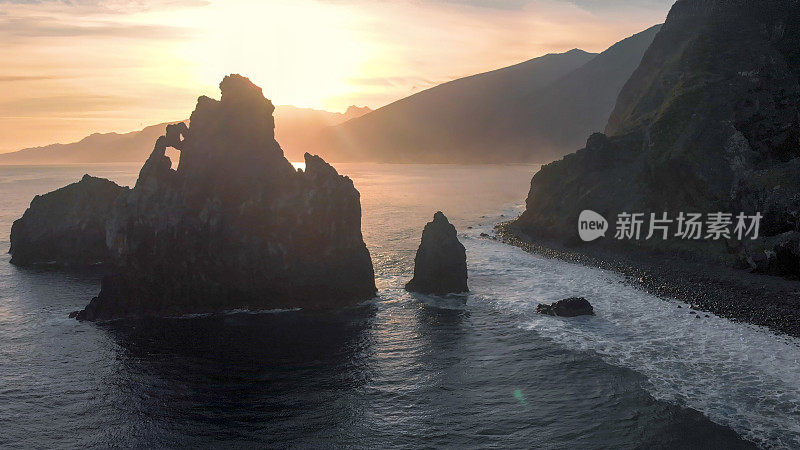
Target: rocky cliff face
66,227
440,266
235,226
710,121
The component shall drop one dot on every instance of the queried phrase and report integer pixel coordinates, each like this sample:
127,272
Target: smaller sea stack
440,266
66,227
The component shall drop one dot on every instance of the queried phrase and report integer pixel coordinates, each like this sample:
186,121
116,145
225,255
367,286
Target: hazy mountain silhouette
561,116
533,111
294,126
449,122
96,148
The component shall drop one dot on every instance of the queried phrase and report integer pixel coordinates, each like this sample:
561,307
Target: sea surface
404,370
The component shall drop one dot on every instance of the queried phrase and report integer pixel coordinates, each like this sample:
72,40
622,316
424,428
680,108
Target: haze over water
403,370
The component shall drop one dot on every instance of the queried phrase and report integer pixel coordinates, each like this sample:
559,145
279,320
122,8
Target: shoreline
735,294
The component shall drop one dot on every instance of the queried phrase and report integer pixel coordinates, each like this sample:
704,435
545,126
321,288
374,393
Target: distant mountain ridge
451,122
294,126
534,111
580,103
95,148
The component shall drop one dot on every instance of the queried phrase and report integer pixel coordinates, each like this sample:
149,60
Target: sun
300,52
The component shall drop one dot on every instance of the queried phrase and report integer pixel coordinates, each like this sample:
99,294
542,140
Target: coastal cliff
235,226
709,121
66,227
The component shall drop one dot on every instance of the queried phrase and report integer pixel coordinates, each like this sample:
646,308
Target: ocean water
476,371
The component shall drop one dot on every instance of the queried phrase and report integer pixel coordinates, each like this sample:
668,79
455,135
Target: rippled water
402,371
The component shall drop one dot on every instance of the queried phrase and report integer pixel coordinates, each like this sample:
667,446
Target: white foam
739,375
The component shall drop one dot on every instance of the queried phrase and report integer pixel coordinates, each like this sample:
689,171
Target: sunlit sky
70,68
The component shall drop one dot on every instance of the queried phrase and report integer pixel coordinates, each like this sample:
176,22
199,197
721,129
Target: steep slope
294,127
709,122
535,111
452,122
568,110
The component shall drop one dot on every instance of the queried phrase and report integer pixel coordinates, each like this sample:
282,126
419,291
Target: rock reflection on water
242,374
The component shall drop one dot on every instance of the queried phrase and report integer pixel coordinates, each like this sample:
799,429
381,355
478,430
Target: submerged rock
570,307
66,227
235,226
440,266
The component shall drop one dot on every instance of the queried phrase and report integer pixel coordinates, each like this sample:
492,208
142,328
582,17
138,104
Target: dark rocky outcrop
778,255
66,227
710,121
570,307
440,266
235,226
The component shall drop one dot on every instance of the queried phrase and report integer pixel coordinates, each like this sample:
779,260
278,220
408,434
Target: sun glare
300,52
75,68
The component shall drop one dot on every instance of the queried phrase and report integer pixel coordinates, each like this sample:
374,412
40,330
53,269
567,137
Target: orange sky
83,66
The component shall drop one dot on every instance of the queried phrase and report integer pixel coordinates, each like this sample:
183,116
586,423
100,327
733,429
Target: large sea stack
235,226
709,122
66,227
440,266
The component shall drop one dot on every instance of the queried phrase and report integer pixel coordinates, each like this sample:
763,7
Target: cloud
392,81
509,5
78,66
110,6
596,6
37,27
59,105
16,78
619,5
131,61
